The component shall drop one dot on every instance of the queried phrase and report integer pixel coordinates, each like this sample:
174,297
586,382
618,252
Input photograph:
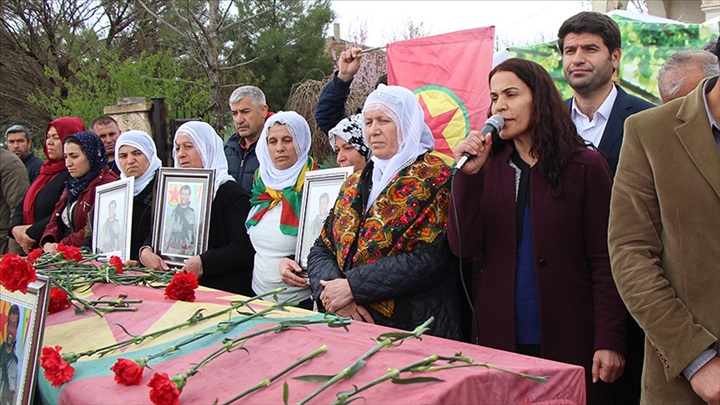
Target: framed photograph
182,213
320,191
112,218
22,322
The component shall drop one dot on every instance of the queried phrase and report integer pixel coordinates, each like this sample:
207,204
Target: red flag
449,75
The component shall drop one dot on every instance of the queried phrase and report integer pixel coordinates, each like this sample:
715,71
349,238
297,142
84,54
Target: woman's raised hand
478,146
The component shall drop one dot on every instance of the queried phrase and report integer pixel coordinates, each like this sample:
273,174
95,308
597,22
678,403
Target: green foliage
100,82
286,43
645,48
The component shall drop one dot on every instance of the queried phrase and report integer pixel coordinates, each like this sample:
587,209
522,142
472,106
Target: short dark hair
594,23
111,203
185,187
104,120
324,196
18,128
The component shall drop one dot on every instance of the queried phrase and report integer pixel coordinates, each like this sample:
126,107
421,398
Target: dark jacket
331,105
228,262
580,309
625,106
32,164
142,221
242,163
419,276
57,232
45,202
421,280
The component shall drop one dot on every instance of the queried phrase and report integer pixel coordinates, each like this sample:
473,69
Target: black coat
142,220
45,202
228,262
418,277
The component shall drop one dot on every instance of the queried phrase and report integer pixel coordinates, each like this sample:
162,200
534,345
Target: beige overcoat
664,239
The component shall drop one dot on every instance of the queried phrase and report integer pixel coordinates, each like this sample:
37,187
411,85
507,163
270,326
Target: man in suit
664,246
590,46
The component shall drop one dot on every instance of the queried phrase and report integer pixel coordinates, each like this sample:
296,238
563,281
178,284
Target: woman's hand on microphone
478,146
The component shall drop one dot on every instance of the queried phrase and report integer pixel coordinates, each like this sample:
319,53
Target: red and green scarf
264,199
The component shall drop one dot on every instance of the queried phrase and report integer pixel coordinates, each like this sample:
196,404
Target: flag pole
377,48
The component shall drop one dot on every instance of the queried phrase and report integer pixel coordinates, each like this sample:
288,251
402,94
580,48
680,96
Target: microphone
493,125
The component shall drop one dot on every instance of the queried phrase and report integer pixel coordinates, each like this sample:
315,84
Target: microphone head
497,121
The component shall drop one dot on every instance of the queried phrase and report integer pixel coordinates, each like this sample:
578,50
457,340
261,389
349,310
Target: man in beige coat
664,238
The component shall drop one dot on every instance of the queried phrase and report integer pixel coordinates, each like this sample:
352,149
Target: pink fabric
233,372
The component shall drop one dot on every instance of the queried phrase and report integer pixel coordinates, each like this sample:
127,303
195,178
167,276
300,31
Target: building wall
688,11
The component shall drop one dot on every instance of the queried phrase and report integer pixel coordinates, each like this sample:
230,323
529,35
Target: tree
37,35
96,85
285,44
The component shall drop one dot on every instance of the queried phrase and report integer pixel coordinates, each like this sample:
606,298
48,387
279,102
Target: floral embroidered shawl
410,211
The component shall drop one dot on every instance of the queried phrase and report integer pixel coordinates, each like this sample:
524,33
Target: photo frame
112,218
182,213
26,312
320,191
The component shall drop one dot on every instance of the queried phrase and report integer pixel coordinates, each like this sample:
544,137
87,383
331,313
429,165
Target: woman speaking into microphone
535,203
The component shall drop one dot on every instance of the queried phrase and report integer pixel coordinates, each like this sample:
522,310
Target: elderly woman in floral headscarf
347,139
282,151
86,161
382,256
227,262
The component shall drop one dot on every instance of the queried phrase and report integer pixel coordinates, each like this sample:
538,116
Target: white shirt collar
592,131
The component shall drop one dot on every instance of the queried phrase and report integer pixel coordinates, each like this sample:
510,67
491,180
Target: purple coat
580,309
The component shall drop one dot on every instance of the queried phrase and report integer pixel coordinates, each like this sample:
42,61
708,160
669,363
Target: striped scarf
264,199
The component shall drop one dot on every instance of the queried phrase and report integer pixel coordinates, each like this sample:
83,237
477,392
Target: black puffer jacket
422,282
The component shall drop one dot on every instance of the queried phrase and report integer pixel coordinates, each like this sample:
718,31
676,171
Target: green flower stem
342,397
229,345
73,297
489,366
266,382
383,342
426,364
197,317
224,327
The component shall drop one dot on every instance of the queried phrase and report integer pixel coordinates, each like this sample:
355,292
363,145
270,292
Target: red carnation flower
117,262
34,255
58,300
16,273
57,371
127,372
182,287
70,253
163,391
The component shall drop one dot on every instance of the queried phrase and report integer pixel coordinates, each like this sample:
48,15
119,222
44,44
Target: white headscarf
273,177
143,142
414,136
210,149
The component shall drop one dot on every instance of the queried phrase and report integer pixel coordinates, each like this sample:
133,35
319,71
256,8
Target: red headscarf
50,168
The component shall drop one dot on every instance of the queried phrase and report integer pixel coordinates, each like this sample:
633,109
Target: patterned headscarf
145,144
273,185
414,136
94,150
210,149
350,130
